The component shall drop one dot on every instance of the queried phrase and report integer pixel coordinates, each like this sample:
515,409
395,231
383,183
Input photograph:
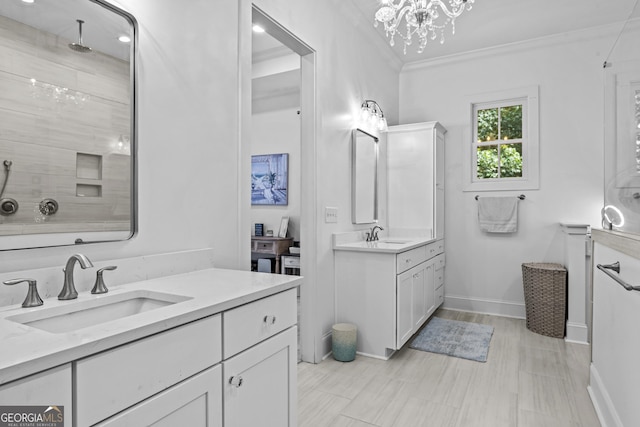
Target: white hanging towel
498,214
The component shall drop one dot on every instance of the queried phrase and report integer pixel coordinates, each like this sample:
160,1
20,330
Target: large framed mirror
67,123
364,177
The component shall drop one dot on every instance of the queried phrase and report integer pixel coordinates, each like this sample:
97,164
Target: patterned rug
455,338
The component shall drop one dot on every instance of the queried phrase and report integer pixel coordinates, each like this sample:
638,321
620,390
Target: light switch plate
330,214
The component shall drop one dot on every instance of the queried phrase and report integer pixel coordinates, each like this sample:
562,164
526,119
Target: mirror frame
54,239
355,218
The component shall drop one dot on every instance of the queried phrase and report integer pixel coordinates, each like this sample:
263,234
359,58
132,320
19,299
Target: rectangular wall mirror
67,128
364,177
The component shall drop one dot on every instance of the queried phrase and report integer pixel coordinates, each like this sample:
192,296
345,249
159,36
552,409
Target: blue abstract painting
269,179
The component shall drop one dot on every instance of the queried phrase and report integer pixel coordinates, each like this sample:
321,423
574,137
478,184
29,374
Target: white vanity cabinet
52,387
183,377
415,177
388,295
260,352
614,378
112,381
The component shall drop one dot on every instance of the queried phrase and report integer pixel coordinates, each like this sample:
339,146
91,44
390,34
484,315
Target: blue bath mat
455,338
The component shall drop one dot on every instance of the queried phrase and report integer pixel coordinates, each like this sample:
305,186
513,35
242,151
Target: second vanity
222,341
388,289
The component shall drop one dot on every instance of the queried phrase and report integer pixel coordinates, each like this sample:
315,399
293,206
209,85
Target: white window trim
530,150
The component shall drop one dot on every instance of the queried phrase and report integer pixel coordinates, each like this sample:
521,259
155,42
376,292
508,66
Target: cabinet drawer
114,380
439,296
291,262
264,247
409,259
435,248
249,324
439,262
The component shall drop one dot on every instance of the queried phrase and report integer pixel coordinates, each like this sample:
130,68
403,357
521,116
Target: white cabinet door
51,388
259,384
195,402
404,307
429,289
420,295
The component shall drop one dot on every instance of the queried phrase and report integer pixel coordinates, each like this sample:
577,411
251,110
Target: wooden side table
274,246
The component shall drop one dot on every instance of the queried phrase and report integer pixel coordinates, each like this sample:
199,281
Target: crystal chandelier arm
456,9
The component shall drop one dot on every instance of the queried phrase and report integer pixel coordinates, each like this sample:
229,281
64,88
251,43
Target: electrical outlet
330,214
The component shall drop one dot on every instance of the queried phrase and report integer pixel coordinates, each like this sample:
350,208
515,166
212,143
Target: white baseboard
577,333
485,306
602,403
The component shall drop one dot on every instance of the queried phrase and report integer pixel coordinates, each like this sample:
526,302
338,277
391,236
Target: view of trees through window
499,138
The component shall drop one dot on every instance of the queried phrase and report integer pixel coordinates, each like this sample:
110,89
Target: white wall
484,271
279,132
188,185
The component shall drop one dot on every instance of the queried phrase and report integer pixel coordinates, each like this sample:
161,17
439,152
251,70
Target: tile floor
528,380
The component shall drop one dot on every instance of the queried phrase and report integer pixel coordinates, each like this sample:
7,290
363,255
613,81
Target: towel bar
521,197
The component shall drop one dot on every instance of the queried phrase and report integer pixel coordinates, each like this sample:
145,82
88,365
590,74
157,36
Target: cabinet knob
236,381
270,320
407,261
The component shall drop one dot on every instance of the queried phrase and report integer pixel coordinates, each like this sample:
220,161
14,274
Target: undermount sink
95,311
395,242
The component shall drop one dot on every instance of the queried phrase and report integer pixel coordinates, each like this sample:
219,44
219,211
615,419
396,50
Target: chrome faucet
372,236
68,288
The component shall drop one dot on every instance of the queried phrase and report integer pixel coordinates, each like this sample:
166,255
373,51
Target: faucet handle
33,298
99,287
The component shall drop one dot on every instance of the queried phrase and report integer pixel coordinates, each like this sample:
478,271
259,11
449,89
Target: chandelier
425,19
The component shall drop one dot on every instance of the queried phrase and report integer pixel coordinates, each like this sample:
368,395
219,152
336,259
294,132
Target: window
503,144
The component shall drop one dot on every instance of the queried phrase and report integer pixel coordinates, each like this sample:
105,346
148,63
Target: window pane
511,122
488,125
488,161
511,161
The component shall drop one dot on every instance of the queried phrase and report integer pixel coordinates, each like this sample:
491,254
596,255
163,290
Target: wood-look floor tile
490,410
536,419
541,361
342,421
419,412
546,395
380,400
318,409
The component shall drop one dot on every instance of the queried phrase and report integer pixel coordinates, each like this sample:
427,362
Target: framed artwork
284,225
270,179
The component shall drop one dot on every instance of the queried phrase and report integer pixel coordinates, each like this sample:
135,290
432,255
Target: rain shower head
79,47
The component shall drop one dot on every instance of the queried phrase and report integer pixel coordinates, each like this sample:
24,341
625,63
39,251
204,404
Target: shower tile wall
57,105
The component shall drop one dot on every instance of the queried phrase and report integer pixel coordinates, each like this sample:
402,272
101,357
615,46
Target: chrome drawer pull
270,320
616,267
236,381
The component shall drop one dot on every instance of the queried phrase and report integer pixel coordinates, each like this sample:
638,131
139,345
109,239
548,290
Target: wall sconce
372,115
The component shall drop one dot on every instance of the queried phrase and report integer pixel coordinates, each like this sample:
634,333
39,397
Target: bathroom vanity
388,289
216,343
613,382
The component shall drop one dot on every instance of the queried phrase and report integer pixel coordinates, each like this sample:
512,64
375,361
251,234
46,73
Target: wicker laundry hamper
545,298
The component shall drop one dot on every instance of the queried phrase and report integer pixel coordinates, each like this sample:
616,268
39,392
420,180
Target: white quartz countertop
26,350
385,245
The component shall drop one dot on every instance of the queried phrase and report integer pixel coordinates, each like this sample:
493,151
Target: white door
404,307
420,292
429,286
259,384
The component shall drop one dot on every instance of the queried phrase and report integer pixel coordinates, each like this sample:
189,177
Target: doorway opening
283,122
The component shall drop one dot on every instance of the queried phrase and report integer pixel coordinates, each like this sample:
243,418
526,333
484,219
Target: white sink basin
394,241
100,309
